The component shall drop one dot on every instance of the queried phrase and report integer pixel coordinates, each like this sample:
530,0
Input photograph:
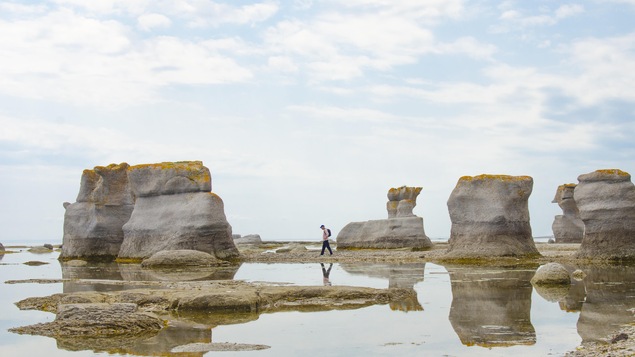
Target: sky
308,112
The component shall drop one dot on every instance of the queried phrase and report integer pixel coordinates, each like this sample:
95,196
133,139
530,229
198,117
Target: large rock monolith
567,227
402,229
490,217
606,200
175,209
93,224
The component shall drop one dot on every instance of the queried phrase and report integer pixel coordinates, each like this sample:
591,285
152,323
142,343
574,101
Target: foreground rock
490,217
402,229
93,224
219,296
551,274
175,209
567,227
96,319
606,199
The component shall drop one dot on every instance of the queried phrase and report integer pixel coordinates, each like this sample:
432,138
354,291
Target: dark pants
326,245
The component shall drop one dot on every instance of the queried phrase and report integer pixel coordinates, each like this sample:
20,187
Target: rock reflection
103,277
610,298
399,276
491,306
154,345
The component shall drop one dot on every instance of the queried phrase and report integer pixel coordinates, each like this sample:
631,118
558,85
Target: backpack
328,231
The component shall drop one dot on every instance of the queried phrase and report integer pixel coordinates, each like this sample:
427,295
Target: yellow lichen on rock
616,172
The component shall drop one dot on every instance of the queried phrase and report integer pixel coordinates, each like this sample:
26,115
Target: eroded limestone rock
606,200
401,201
402,229
568,227
175,209
490,217
93,224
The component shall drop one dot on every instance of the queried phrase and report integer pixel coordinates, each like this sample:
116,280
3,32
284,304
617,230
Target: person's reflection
326,273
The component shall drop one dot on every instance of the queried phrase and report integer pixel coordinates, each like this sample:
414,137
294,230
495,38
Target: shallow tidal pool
459,310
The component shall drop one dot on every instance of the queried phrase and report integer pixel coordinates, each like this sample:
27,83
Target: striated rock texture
401,201
606,199
567,227
404,232
175,209
402,229
490,217
93,224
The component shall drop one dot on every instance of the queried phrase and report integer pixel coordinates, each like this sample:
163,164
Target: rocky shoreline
157,297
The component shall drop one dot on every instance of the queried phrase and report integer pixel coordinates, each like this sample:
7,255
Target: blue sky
307,112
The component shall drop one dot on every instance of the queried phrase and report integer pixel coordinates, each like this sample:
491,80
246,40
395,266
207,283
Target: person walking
325,239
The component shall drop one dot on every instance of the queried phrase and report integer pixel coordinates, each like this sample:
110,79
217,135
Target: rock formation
248,239
93,224
401,201
165,206
606,200
175,209
567,227
490,217
1,247
402,229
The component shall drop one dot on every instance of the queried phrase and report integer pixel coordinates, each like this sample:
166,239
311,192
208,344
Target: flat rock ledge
85,313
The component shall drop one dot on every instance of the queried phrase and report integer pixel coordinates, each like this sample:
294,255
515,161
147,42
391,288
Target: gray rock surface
606,200
173,258
93,224
551,274
97,319
490,217
1,247
248,239
401,201
403,232
175,209
402,229
567,227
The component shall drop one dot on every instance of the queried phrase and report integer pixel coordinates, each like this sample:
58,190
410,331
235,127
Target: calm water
459,311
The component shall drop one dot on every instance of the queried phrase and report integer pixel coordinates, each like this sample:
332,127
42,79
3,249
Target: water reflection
103,277
403,276
326,273
610,298
491,306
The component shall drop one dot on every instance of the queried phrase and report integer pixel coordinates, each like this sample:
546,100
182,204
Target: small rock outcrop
551,274
490,217
248,239
96,320
93,224
402,229
175,209
180,258
606,200
567,227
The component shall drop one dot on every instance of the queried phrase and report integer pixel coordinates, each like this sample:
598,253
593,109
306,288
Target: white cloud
147,22
67,57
